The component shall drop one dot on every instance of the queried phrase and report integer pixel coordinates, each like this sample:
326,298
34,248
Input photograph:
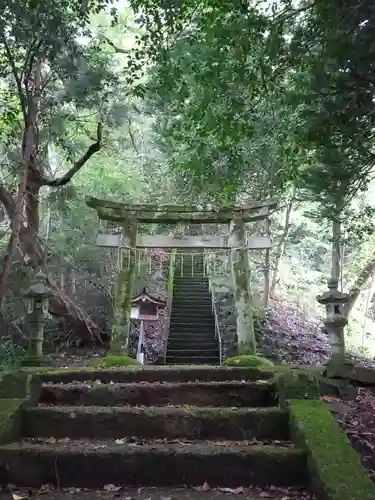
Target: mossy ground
114,360
249,360
335,466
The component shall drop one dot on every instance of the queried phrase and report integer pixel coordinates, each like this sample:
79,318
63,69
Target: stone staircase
191,337
155,426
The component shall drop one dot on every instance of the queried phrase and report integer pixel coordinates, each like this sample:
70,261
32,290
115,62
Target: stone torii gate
129,216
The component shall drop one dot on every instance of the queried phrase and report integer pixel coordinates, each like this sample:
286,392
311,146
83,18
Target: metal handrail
217,329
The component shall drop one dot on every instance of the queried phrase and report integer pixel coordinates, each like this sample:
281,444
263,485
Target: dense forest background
191,102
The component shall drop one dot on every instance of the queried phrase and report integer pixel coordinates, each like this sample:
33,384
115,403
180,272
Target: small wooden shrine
145,307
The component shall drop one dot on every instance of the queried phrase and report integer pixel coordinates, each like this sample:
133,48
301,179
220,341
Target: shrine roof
145,297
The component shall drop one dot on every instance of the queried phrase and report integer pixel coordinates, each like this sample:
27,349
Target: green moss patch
20,385
335,467
112,360
296,384
248,360
10,419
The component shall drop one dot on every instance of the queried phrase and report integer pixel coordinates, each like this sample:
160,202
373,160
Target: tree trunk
281,246
28,155
15,228
336,250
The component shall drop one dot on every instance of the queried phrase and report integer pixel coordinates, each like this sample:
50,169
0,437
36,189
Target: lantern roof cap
39,289
145,297
333,295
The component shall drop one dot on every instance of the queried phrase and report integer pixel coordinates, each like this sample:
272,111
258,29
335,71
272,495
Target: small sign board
134,312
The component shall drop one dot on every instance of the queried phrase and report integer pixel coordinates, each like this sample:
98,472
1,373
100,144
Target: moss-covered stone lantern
335,322
37,297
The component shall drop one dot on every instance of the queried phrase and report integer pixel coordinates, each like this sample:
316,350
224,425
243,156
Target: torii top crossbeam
170,214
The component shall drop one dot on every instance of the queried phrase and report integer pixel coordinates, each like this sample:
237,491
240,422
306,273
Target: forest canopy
188,102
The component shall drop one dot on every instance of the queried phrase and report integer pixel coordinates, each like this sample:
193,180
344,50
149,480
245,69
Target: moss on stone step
20,384
172,373
156,422
10,419
97,463
230,394
335,467
248,360
114,360
296,384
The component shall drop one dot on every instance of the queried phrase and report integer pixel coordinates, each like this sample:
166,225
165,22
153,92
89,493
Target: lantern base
32,361
339,369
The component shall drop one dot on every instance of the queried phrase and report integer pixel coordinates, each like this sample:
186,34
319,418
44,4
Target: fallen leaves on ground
269,492
111,487
329,399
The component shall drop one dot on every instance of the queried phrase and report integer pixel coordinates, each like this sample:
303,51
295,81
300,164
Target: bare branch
66,178
288,13
117,49
132,138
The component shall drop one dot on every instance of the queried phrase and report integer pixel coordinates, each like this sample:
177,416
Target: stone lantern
335,322
37,297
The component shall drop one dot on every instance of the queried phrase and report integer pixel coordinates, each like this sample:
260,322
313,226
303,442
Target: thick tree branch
66,178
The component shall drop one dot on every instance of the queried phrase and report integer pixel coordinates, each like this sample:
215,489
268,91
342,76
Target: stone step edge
78,463
109,446
157,411
230,384
156,374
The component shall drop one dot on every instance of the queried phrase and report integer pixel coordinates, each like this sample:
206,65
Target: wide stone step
189,360
198,278
196,327
198,339
194,314
201,333
192,344
197,310
156,373
193,352
190,288
230,394
194,323
194,268
185,300
204,309
176,344
93,464
185,336
195,332
107,422
205,306
187,284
